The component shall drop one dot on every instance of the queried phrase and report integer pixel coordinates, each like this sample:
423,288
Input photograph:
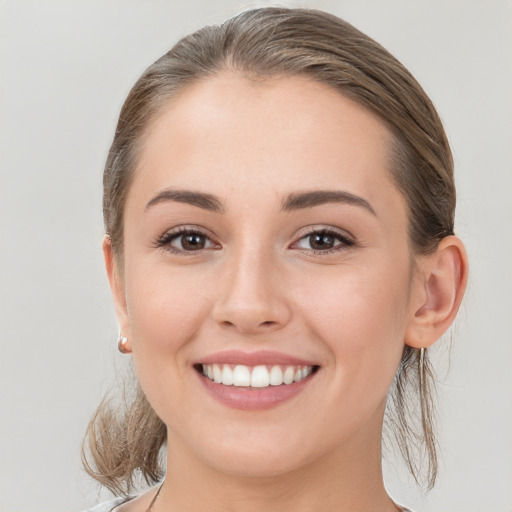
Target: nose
251,296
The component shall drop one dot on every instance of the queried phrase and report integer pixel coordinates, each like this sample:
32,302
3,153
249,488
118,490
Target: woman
279,205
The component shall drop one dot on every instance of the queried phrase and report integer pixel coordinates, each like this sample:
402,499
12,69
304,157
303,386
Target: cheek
166,308
357,300
361,316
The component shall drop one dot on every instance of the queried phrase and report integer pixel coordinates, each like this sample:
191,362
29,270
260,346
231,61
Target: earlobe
439,292
117,289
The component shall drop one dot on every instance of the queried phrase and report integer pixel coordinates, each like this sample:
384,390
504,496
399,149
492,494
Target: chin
262,454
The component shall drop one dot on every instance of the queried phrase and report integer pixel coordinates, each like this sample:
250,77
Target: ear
117,289
438,291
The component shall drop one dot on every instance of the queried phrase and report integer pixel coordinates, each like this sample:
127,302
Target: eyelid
324,228
347,239
164,240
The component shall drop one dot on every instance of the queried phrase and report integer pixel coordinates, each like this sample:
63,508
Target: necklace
150,508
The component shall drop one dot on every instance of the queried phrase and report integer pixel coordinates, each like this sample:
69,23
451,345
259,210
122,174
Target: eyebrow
293,201
309,199
199,199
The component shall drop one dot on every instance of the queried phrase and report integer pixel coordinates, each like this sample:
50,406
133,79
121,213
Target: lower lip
254,399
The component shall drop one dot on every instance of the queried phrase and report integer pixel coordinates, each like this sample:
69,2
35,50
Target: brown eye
321,241
192,242
324,241
186,241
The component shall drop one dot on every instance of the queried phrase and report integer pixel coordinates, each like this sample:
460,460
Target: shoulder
108,506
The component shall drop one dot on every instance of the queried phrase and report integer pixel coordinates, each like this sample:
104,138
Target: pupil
321,241
193,241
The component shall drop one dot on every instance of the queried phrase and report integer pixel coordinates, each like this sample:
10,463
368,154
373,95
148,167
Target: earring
121,345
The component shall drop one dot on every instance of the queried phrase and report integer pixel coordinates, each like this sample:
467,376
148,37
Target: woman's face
263,235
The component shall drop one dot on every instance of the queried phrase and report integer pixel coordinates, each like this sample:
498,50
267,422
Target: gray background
65,68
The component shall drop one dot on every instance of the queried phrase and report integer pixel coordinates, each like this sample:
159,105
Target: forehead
229,133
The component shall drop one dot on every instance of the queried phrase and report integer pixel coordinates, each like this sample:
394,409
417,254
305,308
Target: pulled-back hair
125,439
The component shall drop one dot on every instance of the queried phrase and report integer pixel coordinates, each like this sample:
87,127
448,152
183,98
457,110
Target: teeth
241,376
227,375
288,375
260,376
276,376
217,374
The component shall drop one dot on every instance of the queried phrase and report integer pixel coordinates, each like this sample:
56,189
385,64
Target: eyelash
165,240
347,241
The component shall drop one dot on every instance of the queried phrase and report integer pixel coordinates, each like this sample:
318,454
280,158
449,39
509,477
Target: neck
346,479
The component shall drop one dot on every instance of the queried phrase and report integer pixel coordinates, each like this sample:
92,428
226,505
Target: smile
260,376
257,380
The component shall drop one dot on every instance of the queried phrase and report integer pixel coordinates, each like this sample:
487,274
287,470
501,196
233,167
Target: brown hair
272,42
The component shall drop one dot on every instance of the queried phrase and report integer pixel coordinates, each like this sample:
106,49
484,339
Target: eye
190,242
186,240
324,241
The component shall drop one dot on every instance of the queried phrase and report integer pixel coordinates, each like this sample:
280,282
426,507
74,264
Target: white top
108,506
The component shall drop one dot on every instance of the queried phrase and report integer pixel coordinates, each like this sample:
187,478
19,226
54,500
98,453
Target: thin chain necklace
150,508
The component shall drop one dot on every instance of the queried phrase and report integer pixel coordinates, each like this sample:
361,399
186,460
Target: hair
270,43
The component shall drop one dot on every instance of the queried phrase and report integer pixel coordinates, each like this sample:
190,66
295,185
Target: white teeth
276,376
241,376
288,375
217,374
260,377
255,376
227,375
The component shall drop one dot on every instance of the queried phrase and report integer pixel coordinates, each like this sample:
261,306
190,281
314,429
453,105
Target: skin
258,285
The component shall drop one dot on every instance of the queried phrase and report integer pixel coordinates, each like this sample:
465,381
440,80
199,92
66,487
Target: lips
252,381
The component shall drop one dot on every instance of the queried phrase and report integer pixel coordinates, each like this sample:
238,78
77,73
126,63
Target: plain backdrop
65,68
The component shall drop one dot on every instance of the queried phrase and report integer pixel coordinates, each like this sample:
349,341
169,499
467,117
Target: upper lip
262,357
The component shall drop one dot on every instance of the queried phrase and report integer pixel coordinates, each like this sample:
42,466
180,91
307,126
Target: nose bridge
250,298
